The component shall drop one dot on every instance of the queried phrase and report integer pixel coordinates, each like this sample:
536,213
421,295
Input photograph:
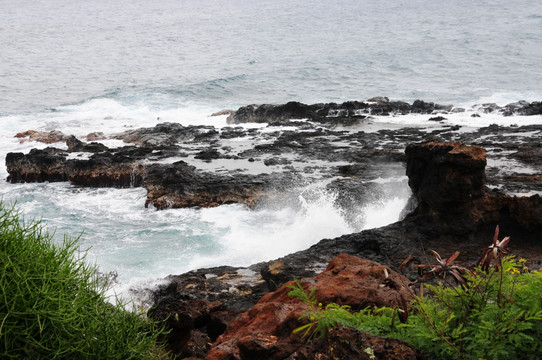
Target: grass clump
493,312
52,305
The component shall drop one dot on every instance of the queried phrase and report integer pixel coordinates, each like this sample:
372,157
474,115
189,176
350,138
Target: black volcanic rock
460,192
37,166
182,185
331,112
75,145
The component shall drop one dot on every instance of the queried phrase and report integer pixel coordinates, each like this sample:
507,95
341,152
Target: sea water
84,66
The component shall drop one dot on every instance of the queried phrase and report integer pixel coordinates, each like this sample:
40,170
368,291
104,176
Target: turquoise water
83,66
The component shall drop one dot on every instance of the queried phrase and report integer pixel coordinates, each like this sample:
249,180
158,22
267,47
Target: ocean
85,66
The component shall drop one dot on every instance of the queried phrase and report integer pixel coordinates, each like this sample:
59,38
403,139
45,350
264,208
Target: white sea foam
502,98
383,212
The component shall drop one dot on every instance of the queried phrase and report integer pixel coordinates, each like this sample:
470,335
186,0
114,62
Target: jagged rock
182,316
331,112
105,171
489,107
206,301
266,330
446,179
208,154
311,153
162,135
232,132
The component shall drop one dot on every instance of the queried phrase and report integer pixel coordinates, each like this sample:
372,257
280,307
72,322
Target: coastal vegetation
53,303
493,311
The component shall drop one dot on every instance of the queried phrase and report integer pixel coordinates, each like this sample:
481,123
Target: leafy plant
53,306
498,315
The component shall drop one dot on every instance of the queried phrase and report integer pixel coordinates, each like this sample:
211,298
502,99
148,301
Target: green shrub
498,315
52,305
495,314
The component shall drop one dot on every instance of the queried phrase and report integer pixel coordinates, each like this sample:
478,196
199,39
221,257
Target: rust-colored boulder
349,280
265,331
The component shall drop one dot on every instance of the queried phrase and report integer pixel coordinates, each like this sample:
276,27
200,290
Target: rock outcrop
330,112
37,166
293,153
181,185
448,182
455,211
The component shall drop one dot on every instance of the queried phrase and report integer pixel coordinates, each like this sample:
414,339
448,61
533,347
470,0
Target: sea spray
276,228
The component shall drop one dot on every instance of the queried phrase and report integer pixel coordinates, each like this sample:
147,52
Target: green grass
52,305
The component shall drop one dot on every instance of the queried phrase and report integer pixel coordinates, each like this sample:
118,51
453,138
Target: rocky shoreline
459,194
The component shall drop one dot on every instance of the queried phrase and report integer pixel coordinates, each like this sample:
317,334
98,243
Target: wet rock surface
234,164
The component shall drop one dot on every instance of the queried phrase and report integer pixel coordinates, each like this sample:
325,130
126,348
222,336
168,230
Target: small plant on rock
377,321
444,267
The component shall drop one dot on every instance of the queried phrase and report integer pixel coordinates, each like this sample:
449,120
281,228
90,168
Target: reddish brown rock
47,137
265,331
95,136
